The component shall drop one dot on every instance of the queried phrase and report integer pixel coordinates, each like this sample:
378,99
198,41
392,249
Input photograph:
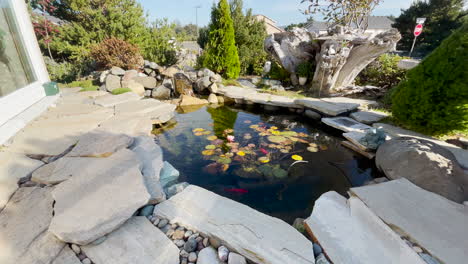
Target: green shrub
383,72
304,69
160,48
434,98
277,72
221,53
116,52
121,91
61,72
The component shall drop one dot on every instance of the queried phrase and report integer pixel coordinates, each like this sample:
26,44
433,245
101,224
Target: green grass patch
86,85
121,91
289,94
231,82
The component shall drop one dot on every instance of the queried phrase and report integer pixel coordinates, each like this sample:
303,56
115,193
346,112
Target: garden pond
276,163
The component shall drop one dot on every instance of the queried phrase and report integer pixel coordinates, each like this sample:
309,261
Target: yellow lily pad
198,134
210,147
296,157
208,152
206,133
212,138
253,126
264,159
198,130
323,147
241,153
312,149
277,139
284,151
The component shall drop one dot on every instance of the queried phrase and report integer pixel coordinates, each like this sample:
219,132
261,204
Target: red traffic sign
418,30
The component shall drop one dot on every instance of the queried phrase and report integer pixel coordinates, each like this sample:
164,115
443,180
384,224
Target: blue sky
283,11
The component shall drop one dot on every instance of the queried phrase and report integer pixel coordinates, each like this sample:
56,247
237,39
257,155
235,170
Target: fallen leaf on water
225,167
296,157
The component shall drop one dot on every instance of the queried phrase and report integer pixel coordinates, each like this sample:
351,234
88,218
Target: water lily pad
198,130
293,139
224,160
198,134
323,147
247,122
254,126
313,145
247,136
263,134
228,131
275,132
284,151
280,173
273,127
208,152
277,139
312,149
264,159
251,145
289,134
206,133
210,147
296,157
212,138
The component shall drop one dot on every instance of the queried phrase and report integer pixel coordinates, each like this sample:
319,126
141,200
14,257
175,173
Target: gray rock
151,156
192,257
113,82
213,99
259,237
317,249
76,249
117,71
425,164
207,72
148,93
179,243
168,83
247,83
183,85
66,256
321,259
99,143
208,256
175,189
368,117
148,71
190,245
13,167
146,211
92,203
213,88
312,115
86,261
163,223
223,253
161,93
147,82
235,258
103,76
154,66
206,242
112,100
136,87
188,234
184,253
428,259
136,242
130,74
206,82
328,108
23,228
168,175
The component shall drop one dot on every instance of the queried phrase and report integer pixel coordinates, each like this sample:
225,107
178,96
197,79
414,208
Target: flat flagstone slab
110,100
350,233
328,108
99,198
51,137
368,117
151,157
136,242
75,109
13,167
460,154
235,92
67,256
99,143
128,125
158,112
432,221
345,124
23,228
260,238
60,170
284,101
259,98
354,137
350,101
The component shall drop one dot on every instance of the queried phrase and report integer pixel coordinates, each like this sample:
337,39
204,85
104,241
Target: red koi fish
264,151
236,190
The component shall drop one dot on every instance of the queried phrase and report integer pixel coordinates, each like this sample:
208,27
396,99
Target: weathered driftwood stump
339,57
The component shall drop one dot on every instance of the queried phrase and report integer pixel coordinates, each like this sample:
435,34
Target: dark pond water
276,163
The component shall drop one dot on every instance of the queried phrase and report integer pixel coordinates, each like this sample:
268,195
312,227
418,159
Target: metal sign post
417,31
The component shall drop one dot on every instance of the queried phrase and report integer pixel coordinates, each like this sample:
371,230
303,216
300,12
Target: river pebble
223,253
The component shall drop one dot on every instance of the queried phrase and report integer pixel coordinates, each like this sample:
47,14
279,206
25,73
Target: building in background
270,24
376,25
22,68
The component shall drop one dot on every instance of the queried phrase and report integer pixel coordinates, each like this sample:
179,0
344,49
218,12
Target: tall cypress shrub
434,97
221,53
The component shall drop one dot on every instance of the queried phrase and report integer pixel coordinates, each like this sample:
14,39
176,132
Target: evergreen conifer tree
221,53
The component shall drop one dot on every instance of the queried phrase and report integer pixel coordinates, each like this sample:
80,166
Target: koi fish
236,190
264,151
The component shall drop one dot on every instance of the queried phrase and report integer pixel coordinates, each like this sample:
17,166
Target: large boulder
147,81
113,82
425,164
161,93
187,100
136,87
99,198
183,85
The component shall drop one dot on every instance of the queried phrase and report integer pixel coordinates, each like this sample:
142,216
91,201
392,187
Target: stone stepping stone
434,222
284,101
235,92
128,125
368,117
13,167
328,108
99,144
345,124
136,242
157,111
99,198
258,98
354,137
346,100
75,109
110,100
350,233
23,228
59,170
67,256
258,237
51,137
151,156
